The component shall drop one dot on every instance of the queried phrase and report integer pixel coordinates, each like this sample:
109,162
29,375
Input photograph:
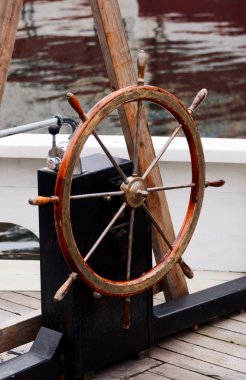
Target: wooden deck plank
33,294
224,335
20,330
5,315
128,368
213,344
194,364
232,325
20,299
215,350
238,317
14,308
177,373
15,352
149,376
204,354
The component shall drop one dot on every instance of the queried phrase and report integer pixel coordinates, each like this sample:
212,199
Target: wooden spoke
159,188
111,158
119,212
156,225
136,190
130,242
137,140
162,151
97,195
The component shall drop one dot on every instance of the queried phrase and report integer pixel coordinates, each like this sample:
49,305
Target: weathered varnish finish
121,73
9,17
64,180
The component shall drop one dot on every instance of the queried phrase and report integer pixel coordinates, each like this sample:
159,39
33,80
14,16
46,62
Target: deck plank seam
206,361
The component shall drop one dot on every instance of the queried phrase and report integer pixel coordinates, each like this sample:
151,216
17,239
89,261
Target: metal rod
159,188
97,195
56,120
121,209
161,152
130,242
122,225
156,225
111,158
137,140
29,127
200,96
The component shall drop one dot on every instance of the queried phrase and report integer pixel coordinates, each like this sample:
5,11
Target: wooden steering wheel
133,190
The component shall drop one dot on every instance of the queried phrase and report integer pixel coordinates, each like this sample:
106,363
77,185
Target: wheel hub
135,191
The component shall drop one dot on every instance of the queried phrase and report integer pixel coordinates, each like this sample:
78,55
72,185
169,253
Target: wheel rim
64,179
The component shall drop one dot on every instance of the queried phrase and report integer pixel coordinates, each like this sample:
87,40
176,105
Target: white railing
219,242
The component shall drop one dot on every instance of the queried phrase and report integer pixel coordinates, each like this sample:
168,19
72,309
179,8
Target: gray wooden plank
33,294
149,376
22,349
213,344
5,356
98,376
19,330
232,325
6,315
176,373
127,368
225,335
14,307
204,354
196,365
241,317
20,299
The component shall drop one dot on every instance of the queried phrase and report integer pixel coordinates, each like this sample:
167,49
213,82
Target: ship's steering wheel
133,191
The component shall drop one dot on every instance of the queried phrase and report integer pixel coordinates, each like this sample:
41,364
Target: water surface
190,45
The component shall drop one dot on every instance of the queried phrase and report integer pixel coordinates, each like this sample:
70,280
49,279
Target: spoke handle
126,313
200,96
39,201
218,183
142,63
63,290
186,269
75,104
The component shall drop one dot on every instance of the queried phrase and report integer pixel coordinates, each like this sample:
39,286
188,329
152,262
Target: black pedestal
93,336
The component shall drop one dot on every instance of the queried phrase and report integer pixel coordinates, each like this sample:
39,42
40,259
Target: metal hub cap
135,191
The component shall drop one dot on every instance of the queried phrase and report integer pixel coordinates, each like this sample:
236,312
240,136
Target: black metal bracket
196,308
42,361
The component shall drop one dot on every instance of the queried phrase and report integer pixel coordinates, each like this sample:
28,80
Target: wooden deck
215,350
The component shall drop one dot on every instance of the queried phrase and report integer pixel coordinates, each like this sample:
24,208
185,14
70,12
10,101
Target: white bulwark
219,241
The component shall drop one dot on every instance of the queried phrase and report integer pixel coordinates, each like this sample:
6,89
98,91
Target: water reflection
190,45
17,243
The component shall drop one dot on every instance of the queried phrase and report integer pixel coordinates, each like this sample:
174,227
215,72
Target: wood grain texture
231,325
20,299
185,361
121,73
213,344
14,308
177,373
204,354
20,330
222,334
149,376
9,18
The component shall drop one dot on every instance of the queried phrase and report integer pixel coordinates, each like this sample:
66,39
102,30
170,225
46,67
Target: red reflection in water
190,45
220,10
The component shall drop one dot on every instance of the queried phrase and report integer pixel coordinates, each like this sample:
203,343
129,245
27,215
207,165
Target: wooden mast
121,73
9,18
